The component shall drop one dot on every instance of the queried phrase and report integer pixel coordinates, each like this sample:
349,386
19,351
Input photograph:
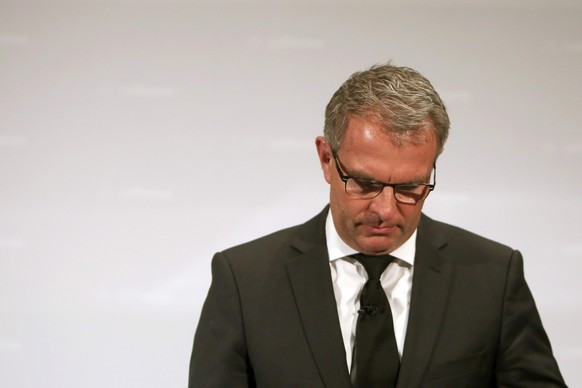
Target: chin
378,247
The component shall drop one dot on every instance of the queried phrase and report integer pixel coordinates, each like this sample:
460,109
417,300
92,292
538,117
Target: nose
384,204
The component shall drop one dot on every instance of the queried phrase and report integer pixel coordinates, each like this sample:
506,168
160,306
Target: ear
325,158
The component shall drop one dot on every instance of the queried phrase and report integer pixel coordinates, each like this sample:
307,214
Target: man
295,309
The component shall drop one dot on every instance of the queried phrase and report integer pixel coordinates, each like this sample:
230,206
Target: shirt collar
338,249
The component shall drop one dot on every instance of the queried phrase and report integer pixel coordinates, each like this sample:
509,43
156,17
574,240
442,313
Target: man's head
387,125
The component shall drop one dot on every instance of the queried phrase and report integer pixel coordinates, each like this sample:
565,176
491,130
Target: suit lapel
430,290
310,279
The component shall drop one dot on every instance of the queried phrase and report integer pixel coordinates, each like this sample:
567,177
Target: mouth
380,229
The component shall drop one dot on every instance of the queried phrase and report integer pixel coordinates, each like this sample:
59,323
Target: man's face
378,225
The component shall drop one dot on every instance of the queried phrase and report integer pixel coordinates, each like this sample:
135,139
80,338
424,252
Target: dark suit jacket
270,318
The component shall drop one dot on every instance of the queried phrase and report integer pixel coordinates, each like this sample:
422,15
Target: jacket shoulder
282,243
461,242
269,242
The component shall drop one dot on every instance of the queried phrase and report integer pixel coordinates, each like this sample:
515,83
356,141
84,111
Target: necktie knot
374,265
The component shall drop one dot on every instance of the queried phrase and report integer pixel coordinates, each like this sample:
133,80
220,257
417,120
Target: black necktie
375,356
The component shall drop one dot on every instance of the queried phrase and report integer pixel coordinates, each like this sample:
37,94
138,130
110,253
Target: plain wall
137,138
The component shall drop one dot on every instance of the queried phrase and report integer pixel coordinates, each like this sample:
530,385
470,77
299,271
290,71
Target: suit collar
310,279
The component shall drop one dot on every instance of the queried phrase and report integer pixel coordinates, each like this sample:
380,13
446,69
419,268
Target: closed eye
368,185
410,188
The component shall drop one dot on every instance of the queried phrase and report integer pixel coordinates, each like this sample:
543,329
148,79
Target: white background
137,138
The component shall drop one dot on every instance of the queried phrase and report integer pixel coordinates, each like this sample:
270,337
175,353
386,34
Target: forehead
371,149
369,126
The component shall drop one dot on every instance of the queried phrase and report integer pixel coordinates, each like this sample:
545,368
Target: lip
380,229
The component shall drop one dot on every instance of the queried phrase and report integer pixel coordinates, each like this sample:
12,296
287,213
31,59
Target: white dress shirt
348,277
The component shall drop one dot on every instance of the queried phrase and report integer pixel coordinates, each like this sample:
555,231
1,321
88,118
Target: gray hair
399,98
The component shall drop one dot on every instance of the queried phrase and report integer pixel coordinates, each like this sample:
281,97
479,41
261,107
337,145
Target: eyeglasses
406,193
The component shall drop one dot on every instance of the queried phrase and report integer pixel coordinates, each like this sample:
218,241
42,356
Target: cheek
411,214
337,191
349,209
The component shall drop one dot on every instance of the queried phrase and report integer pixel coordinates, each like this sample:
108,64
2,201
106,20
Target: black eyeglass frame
381,185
